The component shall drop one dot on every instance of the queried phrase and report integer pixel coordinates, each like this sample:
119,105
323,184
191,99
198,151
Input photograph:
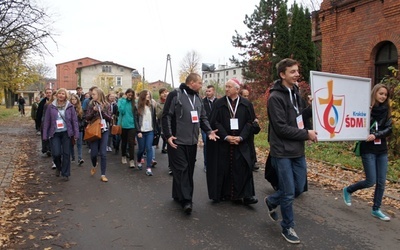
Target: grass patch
336,153
5,113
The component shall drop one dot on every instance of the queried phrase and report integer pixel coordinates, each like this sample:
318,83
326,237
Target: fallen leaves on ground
336,178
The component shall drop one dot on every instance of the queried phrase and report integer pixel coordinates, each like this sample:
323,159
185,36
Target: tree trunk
9,98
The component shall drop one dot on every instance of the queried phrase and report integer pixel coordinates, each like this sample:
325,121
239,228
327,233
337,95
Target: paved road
135,211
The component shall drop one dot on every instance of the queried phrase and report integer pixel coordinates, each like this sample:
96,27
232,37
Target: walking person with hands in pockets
374,151
98,108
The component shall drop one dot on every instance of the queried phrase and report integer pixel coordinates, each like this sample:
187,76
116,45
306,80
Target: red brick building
66,72
358,37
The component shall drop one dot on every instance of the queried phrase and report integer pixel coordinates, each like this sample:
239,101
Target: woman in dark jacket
374,151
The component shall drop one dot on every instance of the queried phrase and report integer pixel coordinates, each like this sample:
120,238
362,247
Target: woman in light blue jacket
128,121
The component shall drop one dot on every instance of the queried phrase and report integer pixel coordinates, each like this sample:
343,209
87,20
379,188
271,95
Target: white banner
340,106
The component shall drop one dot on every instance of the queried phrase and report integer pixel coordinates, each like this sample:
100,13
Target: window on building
234,71
106,68
385,57
210,75
227,73
119,81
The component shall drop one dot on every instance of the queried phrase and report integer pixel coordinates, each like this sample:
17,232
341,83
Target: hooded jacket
285,138
177,120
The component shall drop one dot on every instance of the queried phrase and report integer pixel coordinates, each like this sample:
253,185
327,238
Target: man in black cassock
229,159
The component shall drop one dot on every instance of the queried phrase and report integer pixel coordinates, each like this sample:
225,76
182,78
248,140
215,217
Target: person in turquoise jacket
127,119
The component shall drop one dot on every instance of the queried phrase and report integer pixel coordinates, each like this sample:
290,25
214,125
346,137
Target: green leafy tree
281,48
257,45
301,46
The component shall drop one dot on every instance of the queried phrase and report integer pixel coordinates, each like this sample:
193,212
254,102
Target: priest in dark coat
229,159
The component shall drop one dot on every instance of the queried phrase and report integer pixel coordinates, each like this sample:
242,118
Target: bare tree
313,5
189,64
24,27
24,30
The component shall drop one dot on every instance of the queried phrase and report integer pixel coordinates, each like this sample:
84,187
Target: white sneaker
53,166
131,163
124,160
109,149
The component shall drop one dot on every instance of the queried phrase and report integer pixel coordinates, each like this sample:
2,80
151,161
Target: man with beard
182,118
230,162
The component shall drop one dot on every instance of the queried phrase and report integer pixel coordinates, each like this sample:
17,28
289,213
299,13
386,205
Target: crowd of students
228,125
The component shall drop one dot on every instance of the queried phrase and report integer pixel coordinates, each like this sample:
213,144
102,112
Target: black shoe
164,151
250,200
255,167
187,208
81,161
58,173
65,178
48,153
271,210
116,151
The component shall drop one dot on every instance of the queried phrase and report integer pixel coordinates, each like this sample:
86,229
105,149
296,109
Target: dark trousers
60,150
182,161
128,139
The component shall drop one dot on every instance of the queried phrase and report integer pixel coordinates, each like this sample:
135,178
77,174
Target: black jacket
285,138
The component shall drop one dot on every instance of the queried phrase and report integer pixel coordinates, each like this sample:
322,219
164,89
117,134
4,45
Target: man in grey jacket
183,116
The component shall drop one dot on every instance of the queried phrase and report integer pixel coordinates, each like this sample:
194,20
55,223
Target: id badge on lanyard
234,122
300,123
195,116
377,141
60,124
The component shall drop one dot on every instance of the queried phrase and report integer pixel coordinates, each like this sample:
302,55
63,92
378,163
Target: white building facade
221,75
108,76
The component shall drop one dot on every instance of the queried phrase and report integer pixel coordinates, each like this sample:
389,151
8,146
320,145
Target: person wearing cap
229,159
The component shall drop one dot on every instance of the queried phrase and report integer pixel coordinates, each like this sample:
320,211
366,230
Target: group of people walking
228,125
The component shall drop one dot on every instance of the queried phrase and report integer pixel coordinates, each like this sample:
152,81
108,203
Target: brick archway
373,47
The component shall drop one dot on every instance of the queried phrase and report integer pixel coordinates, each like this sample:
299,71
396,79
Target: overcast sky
140,34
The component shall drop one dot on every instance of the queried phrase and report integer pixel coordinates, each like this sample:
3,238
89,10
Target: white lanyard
291,100
230,106
194,99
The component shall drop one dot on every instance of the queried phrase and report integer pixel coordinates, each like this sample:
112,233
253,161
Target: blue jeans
100,147
60,150
204,138
146,143
78,146
292,175
375,168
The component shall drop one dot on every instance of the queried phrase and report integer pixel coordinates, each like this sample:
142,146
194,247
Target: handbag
93,131
116,130
156,139
357,145
356,149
